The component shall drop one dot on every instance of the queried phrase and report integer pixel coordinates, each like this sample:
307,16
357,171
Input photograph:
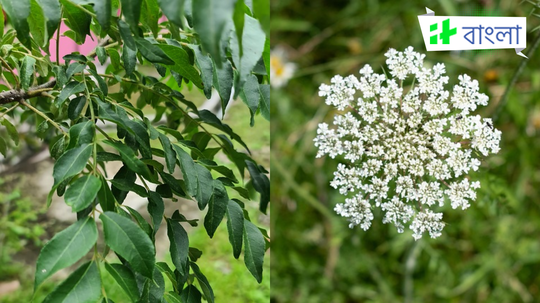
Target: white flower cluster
405,152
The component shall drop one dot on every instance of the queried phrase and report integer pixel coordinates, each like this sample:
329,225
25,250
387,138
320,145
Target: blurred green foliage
487,253
18,228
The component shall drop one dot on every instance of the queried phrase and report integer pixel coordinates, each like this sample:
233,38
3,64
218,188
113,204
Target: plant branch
19,94
10,70
37,111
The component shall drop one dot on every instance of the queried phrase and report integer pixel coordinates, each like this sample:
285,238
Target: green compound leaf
254,246
82,286
130,242
71,163
235,226
179,244
65,248
125,278
217,208
82,192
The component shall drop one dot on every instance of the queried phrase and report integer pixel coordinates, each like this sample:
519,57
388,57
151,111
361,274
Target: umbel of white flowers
408,150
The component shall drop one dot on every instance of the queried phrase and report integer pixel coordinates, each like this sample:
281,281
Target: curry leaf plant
150,55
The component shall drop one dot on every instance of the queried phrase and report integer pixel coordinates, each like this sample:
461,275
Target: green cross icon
445,34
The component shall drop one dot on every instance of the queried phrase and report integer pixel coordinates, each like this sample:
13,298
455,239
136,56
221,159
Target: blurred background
487,253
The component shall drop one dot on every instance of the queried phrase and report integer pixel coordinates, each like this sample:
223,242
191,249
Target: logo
445,34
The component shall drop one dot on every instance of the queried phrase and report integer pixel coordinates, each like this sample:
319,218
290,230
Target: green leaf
130,159
190,294
130,242
211,119
261,183
81,133
12,131
76,106
165,269
82,286
261,11
131,9
77,19
188,170
204,62
179,247
173,10
203,282
18,12
170,154
156,208
150,15
172,297
101,54
27,71
82,192
125,278
123,176
3,147
253,38
70,89
140,221
105,197
2,21
216,208
253,249
235,226
66,248
223,82
205,186
74,68
251,95
264,89
37,24
71,163
103,13
103,87
182,65
152,52
210,18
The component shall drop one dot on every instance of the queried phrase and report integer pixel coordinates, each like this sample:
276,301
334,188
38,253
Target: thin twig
10,70
37,111
410,264
516,75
